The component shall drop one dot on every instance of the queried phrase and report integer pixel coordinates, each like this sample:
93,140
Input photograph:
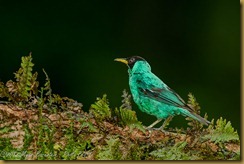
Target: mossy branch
47,126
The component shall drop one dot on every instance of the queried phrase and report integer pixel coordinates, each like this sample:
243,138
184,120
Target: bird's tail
196,117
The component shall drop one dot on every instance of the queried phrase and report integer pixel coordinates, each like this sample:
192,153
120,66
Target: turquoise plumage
152,95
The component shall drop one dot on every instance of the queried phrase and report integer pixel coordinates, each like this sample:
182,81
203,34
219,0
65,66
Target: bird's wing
151,86
162,93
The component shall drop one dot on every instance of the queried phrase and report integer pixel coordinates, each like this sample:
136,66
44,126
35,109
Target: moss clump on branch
36,124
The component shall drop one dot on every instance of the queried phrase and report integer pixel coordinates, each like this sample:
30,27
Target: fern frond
48,89
24,77
47,85
192,102
126,102
101,109
126,116
221,132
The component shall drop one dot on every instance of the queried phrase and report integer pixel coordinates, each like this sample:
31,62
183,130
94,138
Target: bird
153,96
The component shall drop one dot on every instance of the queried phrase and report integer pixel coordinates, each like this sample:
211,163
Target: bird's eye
132,60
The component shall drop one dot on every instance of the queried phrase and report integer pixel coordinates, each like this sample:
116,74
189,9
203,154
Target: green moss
110,151
175,152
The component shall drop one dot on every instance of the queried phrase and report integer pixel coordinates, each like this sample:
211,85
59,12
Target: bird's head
135,63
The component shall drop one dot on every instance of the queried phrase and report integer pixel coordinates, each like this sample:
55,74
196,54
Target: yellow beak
123,60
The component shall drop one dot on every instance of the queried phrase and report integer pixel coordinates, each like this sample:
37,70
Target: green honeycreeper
153,96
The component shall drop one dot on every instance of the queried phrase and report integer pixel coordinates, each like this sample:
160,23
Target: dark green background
193,46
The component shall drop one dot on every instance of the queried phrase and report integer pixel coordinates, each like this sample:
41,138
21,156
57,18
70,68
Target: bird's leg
153,124
166,122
